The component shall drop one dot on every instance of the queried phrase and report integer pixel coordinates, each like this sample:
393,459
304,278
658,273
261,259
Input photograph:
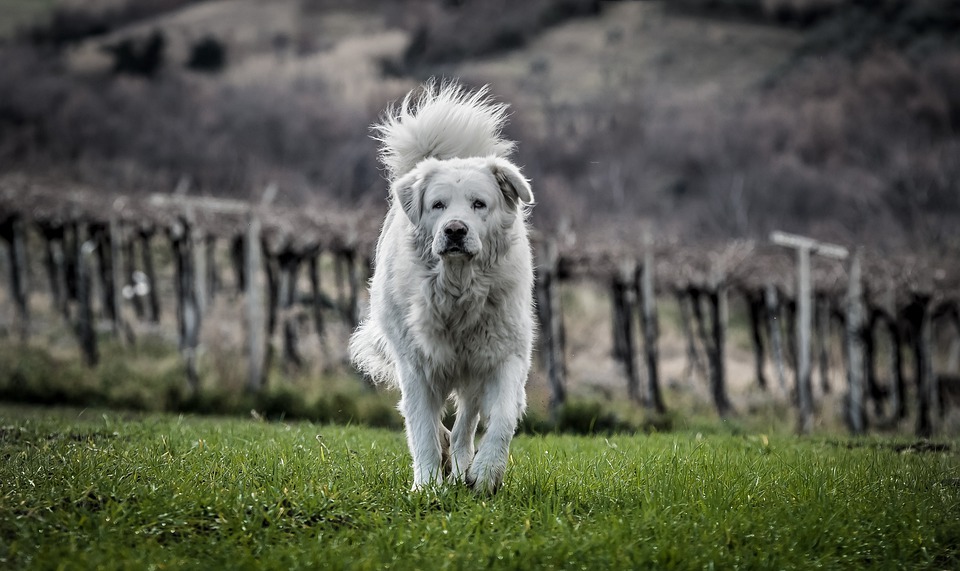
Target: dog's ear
512,183
409,190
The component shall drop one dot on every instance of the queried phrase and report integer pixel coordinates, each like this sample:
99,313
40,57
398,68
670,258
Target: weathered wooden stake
718,384
114,237
316,304
353,283
713,342
694,363
211,275
289,270
755,310
146,253
188,308
84,324
55,263
130,283
953,353
648,322
237,255
623,292
917,315
550,315
71,254
100,232
340,274
874,392
772,301
256,346
856,413
804,319
822,325
804,247
11,230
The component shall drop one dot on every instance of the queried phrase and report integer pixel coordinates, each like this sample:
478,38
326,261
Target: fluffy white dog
451,295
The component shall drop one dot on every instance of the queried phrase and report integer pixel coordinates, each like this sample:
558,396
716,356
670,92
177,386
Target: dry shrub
73,21
134,133
854,150
455,30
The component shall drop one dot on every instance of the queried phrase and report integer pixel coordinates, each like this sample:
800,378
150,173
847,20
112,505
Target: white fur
451,297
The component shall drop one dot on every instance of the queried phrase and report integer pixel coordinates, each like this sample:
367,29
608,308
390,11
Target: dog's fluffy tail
444,121
369,353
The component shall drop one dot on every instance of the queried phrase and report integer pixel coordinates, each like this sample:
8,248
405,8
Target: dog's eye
439,205
478,204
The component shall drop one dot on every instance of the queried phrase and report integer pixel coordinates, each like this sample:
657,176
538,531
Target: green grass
91,489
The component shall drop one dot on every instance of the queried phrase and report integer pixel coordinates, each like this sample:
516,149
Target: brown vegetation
856,144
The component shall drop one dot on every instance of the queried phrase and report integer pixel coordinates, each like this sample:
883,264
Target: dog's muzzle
454,240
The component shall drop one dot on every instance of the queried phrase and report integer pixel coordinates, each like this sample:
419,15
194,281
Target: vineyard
94,256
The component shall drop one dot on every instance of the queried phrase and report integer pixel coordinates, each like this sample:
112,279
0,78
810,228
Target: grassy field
94,489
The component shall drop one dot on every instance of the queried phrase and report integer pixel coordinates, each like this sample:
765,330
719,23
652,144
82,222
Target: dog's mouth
455,251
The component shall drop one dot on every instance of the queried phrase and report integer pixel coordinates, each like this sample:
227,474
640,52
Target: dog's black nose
455,230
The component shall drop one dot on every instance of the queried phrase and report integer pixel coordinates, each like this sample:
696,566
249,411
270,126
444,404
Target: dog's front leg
462,448
503,402
421,409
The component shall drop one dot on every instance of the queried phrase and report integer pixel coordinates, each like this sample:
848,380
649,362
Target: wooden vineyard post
804,247
755,310
271,271
339,272
804,321
856,412
211,276
551,324
772,303
255,326
198,253
917,316
353,282
132,279
146,255
625,346
694,363
868,339
316,305
53,237
84,326
188,307
248,261
713,341
648,321
114,236
718,383
289,265
822,325
11,230
898,402
237,255
100,233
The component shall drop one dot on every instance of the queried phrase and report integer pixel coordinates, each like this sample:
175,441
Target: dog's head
461,206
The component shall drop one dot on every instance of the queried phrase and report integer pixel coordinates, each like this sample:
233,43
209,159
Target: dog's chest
468,330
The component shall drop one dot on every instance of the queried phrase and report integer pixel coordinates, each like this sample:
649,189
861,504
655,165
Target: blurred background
709,121
715,118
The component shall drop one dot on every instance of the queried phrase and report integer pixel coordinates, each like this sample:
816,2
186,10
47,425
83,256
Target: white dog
451,310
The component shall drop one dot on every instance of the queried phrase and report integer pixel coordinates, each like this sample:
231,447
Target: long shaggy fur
451,311
422,126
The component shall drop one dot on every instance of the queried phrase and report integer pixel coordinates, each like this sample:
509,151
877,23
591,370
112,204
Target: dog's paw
483,480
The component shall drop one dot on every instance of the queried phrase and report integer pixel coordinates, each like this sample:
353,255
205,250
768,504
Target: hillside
709,119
